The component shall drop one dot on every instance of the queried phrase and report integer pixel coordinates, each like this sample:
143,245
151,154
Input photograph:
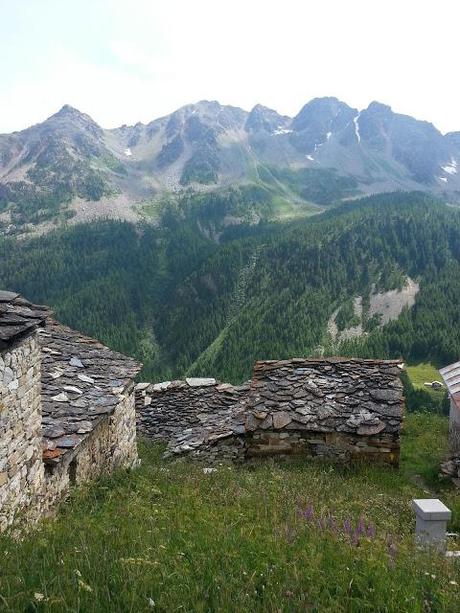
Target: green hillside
193,295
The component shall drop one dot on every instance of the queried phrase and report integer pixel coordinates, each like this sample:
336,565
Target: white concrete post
431,521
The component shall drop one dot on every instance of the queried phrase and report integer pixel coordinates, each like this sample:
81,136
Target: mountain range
70,167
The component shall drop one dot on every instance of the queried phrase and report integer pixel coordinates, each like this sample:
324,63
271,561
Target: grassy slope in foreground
270,537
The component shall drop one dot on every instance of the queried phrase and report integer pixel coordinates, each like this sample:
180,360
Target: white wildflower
85,586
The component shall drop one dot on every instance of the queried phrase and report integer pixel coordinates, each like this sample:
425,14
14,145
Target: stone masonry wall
339,408
165,410
451,466
21,466
335,407
111,445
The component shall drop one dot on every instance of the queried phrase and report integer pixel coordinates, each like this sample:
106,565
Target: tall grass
300,536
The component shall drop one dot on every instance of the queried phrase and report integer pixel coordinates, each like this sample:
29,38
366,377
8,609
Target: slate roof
18,318
82,381
451,377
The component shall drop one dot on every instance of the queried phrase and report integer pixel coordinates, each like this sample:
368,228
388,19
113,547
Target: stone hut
336,407
340,408
451,378
66,409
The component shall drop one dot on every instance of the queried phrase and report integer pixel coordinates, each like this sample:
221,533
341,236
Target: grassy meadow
425,372
273,536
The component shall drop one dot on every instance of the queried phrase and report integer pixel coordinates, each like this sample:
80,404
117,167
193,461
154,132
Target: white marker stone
431,521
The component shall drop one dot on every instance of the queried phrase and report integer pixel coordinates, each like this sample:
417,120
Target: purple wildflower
360,528
308,513
332,524
371,531
321,524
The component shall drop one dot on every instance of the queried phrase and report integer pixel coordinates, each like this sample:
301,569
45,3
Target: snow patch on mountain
451,168
281,130
356,122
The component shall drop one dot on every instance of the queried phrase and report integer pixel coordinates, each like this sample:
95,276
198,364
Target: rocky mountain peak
70,113
214,145
378,108
322,111
67,109
68,122
262,118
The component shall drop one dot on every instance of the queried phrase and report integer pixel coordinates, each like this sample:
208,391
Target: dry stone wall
339,408
166,410
21,466
335,407
451,468
454,426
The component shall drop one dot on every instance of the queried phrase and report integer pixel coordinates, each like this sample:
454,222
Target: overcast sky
123,61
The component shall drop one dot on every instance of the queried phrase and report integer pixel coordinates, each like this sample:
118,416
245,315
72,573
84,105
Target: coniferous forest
185,301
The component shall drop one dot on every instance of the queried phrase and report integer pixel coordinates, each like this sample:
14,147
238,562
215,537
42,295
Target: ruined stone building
66,409
339,408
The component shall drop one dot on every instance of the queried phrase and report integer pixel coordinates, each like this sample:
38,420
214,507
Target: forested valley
184,302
